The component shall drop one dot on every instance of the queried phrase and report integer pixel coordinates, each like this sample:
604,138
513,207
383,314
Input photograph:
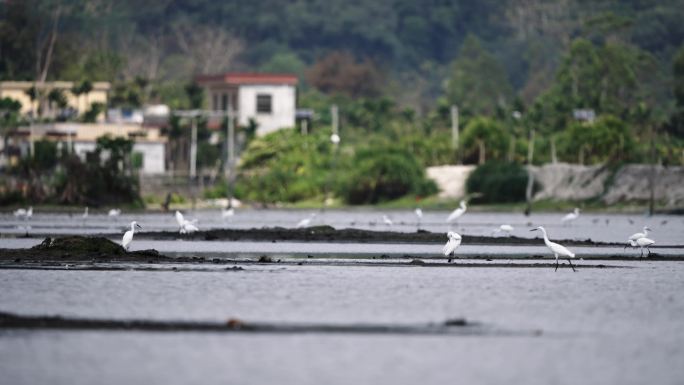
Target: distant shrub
380,174
498,183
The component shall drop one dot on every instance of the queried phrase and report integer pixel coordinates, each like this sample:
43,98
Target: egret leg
642,253
573,267
649,251
556,262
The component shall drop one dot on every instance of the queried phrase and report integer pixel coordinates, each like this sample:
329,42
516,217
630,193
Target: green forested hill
526,36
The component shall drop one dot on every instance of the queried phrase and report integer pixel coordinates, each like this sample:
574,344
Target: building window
224,102
264,104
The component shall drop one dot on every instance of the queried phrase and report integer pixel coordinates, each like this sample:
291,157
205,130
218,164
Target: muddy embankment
458,326
100,254
330,234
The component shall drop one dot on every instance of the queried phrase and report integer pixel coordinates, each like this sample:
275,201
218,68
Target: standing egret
632,238
508,229
184,225
306,221
180,219
643,242
114,213
227,212
458,212
128,235
451,245
571,216
387,220
24,213
188,227
85,213
419,214
556,249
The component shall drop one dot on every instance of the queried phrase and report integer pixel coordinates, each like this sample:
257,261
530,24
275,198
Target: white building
269,99
149,146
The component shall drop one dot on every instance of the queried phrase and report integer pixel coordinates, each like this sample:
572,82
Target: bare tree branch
211,49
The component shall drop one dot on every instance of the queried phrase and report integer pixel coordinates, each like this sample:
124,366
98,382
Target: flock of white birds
185,226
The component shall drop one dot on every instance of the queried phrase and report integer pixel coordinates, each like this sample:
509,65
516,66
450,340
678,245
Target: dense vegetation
518,70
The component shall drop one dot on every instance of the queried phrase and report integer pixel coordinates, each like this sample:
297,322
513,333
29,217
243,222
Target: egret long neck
645,231
546,237
133,228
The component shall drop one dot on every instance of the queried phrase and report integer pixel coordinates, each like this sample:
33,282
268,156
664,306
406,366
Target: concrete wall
283,99
153,155
450,179
562,181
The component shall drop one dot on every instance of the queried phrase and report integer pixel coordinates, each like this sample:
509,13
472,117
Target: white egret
185,226
227,212
571,216
306,221
188,227
387,220
180,219
556,249
128,235
419,214
114,212
508,229
632,238
642,242
85,213
451,245
24,213
458,212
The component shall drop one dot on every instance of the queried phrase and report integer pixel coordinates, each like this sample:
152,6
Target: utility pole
192,114
193,148
230,141
335,119
454,129
651,200
305,128
530,176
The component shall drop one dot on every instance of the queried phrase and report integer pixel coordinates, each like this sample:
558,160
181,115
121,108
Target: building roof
25,85
240,78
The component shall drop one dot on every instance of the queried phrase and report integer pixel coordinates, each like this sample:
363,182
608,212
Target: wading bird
24,213
458,212
184,225
632,238
419,214
306,221
643,242
128,235
227,212
451,245
114,212
508,229
571,217
387,220
556,249
85,213
188,227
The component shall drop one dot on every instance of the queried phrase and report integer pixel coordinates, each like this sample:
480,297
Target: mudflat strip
457,326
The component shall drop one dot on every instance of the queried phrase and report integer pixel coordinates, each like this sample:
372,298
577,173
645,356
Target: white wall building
148,144
269,99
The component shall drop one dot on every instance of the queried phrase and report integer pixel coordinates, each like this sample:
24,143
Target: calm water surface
602,326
